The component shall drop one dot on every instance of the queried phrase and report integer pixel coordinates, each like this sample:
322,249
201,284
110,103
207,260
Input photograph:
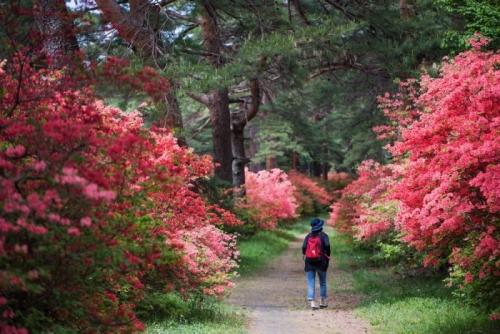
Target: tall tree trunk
406,9
238,122
137,31
218,100
295,161
173,114
325,155
271,162
317,166
325,171
253,148
221,134
57,29
239,158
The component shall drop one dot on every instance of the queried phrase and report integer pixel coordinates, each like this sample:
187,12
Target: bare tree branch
202,98
347,13
130,26
181,17
199,129
300,11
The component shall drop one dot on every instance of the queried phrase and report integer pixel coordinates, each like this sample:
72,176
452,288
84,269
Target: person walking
316,250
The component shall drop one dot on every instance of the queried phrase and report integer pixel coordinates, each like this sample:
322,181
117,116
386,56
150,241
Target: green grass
217,318
266,245
213,316
198,328
394,304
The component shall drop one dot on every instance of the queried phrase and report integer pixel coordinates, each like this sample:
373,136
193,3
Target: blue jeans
311,284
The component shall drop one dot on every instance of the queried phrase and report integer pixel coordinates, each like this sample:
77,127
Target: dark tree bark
295,161
253,148
238,122
136,29
217,102
57,30
221,134
325,155
271,162
173,114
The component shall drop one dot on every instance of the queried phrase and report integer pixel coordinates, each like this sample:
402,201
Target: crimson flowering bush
269,198
310,196
95,211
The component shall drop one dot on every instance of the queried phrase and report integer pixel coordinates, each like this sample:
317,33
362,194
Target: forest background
140,138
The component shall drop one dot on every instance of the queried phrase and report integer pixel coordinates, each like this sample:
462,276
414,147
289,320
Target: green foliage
395,303
215,191
276,138
174,307
481,16
261,247
483,290
257,250
335,183
330,121
249,227
170,313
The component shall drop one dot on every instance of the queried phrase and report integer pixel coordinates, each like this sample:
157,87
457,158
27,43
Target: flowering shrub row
443,191
96,211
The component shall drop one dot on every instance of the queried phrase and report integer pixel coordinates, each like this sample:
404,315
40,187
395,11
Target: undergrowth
211,316
171,314
395,303
256,251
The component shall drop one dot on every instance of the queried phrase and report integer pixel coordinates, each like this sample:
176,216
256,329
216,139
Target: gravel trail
275,299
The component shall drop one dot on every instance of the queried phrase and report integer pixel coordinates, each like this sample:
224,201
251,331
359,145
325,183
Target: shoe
323,306
314,308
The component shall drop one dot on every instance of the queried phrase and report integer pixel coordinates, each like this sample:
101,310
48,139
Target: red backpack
313,248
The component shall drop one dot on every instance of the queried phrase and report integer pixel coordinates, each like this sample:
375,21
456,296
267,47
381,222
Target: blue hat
317,224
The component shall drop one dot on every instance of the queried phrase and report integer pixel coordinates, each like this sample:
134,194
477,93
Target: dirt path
275,299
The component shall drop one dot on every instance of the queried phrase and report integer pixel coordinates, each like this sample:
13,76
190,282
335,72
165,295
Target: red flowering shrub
269,198
309,195
450,188
447,172
335,183
361,211
96,211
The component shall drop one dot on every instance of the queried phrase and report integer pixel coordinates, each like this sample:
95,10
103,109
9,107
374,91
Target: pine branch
166,3
202,98
300,11
327,69
351,16
199,129
198,53
181,17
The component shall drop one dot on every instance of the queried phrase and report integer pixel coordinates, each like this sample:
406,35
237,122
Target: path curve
275,299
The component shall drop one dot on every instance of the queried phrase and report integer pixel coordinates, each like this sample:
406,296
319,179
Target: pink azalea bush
446,172
269,198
